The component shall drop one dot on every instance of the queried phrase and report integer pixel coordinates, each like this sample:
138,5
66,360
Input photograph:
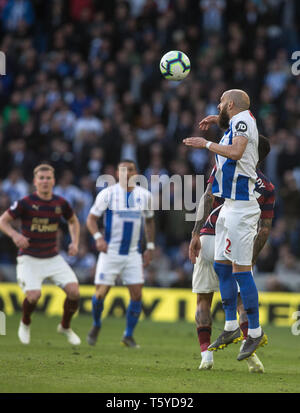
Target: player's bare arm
203,211
74,229
5,226
208,121
150,236
92,226
265,226
234,151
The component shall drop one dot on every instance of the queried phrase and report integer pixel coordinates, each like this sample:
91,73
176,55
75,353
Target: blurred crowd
83,90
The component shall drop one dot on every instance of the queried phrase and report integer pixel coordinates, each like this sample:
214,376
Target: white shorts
236,229
31,272
129,267
205,279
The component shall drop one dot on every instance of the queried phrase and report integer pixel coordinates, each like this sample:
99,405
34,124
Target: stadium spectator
17,13
287,271
289,157
61,155
212,14
15,185
71,192
290,197
93,165
87,189
286,276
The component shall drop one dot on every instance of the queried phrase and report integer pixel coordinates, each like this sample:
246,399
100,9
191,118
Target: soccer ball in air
175,65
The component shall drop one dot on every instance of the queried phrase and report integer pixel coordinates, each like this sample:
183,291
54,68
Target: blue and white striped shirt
124,214
235,179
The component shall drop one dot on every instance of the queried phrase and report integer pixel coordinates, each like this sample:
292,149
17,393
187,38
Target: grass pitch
167,361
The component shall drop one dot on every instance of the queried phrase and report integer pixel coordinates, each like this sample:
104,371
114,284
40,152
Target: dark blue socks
97,308
249,297
133,312
228,290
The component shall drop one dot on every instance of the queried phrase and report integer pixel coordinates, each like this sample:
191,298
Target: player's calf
70,308
203,324
132,315
71,304
29,305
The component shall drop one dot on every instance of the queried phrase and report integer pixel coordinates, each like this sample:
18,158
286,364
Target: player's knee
72,291
204,299
135,292
101,291
204,302
136,296
33,296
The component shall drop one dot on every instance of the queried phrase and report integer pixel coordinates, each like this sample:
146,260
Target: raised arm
234,151
208,121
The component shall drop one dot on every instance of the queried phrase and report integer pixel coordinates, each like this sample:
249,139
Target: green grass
167,361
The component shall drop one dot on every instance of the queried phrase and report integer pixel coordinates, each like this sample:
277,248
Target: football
175,65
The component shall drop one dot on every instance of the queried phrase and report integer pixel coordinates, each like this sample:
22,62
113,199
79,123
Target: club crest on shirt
58,210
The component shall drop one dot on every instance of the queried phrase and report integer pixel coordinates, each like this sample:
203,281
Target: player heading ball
236,160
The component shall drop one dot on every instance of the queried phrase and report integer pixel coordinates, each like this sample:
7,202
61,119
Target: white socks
254,332
207,355
231,325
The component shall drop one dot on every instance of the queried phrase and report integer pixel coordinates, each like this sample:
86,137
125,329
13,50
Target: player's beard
224,118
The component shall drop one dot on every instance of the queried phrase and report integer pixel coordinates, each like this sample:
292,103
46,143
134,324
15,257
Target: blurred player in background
38,259
202,245
125,207
236,228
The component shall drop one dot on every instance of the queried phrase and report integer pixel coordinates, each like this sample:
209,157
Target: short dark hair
264,147
127,161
